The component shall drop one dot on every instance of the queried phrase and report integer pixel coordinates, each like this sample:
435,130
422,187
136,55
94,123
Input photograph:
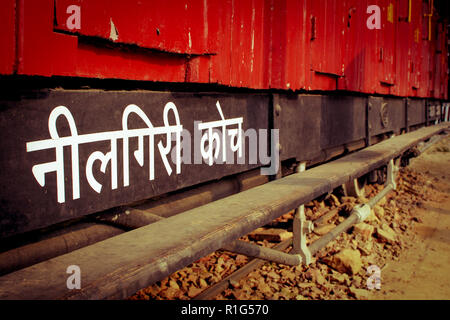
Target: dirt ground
423,270
405,241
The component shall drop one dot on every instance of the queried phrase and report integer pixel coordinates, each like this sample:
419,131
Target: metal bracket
362,211
446,113
391,171
300,228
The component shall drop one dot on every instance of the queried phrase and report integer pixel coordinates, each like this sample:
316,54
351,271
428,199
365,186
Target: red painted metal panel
408,48
429,47
367,59
444,62
369,54
260,44
219,27
7,37
198,69
433,71
386,61
327,36
238,30
441,60
327,20
372,57
437,61
286,51
274,39
403,52
170,25
247,44
297,53
386,43
425,52
358,40
47,53
416,47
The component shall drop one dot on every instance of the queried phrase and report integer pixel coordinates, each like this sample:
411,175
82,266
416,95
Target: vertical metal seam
17,31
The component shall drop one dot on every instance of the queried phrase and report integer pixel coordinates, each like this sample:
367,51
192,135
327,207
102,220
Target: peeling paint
390,13
205,22
253,40
190,40
114,34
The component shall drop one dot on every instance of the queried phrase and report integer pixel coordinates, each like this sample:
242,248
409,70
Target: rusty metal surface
119,266
317,122
343,120
416,112
386,115
303,116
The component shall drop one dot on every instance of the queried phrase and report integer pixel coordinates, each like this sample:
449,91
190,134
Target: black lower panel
69,153
63,153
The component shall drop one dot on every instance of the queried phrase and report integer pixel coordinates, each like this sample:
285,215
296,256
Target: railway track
325,215
261,279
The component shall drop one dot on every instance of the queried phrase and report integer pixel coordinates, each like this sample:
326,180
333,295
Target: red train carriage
83,82
289,45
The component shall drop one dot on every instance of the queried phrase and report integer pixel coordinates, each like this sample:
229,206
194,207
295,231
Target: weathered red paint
286,45
7,36
441,62
171,25
414,60
327,20
48,53
260,44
